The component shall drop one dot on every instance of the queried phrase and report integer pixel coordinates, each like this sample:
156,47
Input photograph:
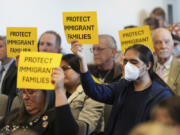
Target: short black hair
73,61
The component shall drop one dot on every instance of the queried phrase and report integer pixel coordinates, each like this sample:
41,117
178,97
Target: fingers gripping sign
57,78
77,49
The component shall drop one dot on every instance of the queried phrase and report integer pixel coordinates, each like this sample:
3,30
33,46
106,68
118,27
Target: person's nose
163,45
25,96
95,52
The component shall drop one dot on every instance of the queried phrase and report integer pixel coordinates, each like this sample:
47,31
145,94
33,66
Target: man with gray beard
167,66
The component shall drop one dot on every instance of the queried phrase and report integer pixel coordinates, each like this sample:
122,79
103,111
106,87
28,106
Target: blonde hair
153,128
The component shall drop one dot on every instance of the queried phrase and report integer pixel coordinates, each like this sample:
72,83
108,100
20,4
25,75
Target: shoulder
50,114
121,83
175,62
93,69
13,66
12,70
159,89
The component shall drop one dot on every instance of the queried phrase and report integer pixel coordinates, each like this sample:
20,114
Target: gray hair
111,39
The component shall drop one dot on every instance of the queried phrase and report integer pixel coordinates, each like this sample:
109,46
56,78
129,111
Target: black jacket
56,121
9,82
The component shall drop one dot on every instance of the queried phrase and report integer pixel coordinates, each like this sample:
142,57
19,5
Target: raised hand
77,49
57,78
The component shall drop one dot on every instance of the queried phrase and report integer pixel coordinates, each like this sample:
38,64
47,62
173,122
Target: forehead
161,35
132,54
63,62
103,42
29,90
48,37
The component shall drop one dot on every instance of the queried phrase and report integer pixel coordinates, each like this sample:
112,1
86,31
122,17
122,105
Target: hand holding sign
77,49
57,78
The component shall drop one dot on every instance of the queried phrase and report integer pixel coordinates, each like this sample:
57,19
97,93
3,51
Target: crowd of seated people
132,87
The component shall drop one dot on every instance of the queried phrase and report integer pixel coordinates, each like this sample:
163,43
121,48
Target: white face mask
176,50
131,72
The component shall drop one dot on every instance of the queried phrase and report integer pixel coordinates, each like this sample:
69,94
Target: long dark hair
146,55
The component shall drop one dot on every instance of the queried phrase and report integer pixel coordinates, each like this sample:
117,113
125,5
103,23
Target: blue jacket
115,94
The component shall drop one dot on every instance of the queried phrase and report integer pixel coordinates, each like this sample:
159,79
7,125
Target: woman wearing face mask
131,97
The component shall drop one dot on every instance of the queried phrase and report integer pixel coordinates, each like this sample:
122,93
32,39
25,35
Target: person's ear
114,51
58,50
148,65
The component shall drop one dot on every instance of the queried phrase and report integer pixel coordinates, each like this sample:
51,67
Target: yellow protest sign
21,39
35,68
81,26
138,35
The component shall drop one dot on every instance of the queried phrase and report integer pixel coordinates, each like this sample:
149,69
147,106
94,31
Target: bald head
163,43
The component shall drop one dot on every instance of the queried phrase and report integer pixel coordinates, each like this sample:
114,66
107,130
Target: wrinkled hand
57,78
77,49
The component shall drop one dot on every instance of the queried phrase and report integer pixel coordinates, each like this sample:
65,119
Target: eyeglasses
65,67
28,92
98,49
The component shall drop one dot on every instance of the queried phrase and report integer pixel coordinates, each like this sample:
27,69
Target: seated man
8,73
167,66
105,69
50,41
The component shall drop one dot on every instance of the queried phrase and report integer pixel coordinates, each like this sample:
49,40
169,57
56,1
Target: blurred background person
159,14
153,128
167,112
152,22
175,31
176,49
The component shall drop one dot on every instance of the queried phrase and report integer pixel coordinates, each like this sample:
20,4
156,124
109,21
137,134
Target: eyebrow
131,60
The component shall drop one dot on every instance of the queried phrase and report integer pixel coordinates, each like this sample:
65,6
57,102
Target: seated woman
83,108
37,113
